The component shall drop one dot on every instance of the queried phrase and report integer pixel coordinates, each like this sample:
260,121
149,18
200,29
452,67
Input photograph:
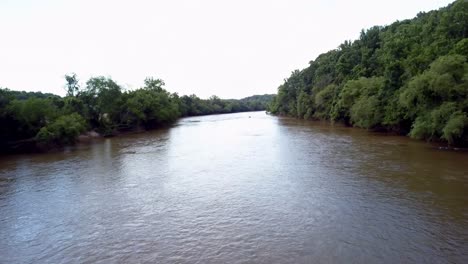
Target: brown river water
237,188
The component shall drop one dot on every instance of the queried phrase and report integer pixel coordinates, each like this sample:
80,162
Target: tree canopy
101,105
409,77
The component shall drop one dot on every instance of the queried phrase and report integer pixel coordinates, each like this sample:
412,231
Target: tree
103,100
31,115
407,77
64,130
72,85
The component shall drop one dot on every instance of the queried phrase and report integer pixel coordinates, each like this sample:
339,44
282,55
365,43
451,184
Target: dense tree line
409,77
31,119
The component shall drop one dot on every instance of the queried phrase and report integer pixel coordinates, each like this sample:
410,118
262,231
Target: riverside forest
409,78
360,157
31,121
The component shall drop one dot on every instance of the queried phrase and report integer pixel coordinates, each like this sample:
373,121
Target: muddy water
239,188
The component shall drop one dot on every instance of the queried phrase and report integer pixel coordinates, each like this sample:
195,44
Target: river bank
31,145
436,144
92,137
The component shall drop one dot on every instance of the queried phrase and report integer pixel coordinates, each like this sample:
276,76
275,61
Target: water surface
238,188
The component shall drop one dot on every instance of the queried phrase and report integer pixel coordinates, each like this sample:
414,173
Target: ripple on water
234,189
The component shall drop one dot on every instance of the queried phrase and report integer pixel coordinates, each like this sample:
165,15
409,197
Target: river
237,188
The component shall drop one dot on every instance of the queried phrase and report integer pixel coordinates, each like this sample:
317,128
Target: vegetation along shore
409,78
34,121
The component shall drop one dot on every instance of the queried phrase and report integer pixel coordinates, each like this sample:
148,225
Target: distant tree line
36,119
409,77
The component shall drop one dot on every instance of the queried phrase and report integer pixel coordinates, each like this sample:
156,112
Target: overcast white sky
229,48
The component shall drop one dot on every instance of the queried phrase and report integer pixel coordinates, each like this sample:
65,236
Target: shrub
64,130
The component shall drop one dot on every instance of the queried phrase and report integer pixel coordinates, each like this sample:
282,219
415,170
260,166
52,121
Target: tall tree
72,85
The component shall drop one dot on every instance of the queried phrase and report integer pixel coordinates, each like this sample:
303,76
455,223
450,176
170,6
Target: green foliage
100,102
443,123
31,114
64,130
322,101
358,102
194,106
455,128
151,107
434,96
303,102
102,105
461,47
422,127
366,112
408,77
5,94
72,85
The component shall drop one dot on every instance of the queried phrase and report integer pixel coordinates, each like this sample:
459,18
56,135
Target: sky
232,49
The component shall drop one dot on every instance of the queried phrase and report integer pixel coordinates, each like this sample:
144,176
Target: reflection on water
233,189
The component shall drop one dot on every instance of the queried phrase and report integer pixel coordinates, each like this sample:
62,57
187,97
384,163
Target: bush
455,128
366,112
443,123
64,130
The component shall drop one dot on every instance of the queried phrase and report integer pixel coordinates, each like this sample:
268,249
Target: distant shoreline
31,146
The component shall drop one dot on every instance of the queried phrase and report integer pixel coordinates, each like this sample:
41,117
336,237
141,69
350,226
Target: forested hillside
409,77
31,119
